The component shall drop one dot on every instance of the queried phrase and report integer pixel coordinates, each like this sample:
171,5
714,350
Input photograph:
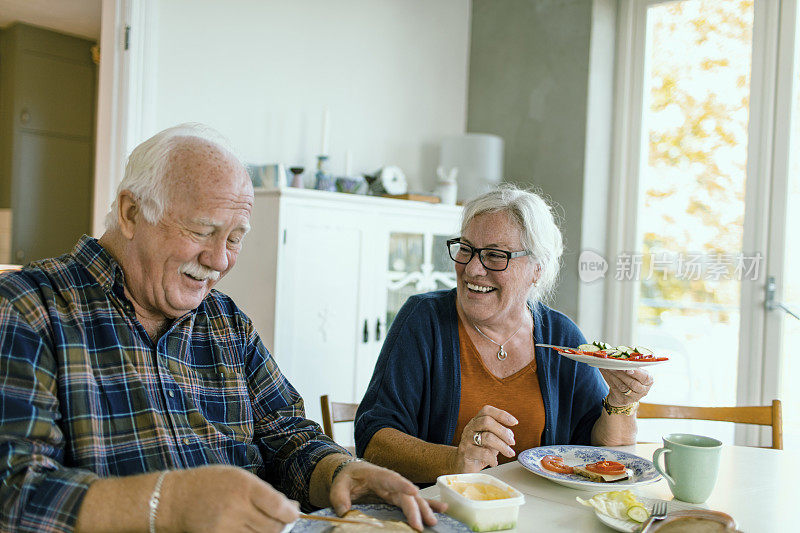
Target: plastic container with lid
480,514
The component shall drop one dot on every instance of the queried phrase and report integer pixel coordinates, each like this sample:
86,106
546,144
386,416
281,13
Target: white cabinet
323,274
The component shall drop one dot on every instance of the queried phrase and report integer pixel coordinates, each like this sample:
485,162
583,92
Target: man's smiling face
174,263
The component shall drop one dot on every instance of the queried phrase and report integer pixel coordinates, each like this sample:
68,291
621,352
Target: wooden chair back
333,412
762,415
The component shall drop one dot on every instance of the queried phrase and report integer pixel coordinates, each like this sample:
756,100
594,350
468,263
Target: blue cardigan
416,385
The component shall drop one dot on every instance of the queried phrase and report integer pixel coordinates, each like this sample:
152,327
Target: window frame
767,175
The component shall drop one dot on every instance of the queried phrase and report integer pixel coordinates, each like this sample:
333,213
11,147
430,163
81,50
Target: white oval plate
631,526
609,363
384,511
642,470
617,524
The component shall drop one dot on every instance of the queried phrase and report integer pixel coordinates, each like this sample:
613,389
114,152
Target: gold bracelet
627,410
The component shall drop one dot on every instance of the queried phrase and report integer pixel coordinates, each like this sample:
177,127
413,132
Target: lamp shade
479,159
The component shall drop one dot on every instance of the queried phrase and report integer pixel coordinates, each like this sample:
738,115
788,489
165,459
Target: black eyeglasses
491,258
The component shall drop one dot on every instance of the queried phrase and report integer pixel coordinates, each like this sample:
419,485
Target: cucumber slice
588,348
644,351
638,513
624,349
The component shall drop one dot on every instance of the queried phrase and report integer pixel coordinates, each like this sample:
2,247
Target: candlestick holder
297,177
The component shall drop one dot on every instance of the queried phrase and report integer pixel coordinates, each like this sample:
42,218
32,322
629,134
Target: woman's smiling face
490,297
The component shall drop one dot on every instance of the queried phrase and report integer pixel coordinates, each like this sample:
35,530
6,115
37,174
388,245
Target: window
698,172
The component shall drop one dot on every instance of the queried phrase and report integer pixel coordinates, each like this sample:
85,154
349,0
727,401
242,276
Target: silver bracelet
154,499
342,465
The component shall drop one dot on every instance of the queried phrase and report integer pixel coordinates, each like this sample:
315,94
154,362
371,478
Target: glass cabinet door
418,262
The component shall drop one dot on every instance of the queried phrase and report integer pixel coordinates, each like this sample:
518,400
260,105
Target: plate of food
603,355
589,467
388,516
623,510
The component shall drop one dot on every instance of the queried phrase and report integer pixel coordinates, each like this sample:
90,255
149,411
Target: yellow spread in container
479,491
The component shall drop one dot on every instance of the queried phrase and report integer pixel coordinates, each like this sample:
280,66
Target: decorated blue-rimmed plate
641,471
382,511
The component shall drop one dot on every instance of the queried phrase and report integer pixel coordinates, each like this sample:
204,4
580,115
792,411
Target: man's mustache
198,271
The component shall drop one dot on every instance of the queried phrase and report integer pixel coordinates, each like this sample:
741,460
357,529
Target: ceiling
75,17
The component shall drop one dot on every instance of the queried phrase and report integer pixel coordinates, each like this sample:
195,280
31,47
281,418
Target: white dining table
755,486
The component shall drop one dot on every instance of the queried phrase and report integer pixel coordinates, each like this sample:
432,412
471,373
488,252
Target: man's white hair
540,234
147,167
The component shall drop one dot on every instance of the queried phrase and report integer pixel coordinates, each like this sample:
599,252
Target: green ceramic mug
692,463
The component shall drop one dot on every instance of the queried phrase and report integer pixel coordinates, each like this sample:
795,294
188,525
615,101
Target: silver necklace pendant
501,354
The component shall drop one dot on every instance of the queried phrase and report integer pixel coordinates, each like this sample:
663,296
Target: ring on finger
627,392
476,438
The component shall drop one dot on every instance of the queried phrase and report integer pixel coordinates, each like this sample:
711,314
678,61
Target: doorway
48,94
714,189
49,83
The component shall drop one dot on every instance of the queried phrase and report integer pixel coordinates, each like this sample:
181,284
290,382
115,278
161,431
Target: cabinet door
409,257
418,262
321,291
417,259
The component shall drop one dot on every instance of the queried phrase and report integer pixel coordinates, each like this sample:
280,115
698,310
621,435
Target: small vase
325,182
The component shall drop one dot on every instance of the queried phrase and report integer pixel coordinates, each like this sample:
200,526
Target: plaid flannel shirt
85,393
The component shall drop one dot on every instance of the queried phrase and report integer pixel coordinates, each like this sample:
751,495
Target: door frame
785,92
754,368
125,94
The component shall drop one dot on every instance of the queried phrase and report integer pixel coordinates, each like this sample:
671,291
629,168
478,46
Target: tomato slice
606,467
554,463
647,358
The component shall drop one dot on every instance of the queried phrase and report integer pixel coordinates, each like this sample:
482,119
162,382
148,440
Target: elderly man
136,398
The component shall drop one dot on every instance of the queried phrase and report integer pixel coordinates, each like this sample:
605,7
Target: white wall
392,72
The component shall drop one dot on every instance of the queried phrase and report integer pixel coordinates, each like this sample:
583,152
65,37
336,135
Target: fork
659,513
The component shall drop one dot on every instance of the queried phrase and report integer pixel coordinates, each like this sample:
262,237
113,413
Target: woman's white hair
540,234
147,167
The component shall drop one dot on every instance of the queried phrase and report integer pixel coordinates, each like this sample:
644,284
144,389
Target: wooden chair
762,415
333,412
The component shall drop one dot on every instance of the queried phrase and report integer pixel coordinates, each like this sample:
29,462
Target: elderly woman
460,383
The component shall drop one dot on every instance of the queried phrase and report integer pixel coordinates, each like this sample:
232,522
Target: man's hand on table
222,498
365,482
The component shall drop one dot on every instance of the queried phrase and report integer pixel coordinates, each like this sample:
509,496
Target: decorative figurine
447,187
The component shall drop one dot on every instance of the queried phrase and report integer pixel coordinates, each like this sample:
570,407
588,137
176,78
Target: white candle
326,115
348,156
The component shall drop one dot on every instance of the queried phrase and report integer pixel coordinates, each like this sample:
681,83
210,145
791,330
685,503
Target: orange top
518,394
